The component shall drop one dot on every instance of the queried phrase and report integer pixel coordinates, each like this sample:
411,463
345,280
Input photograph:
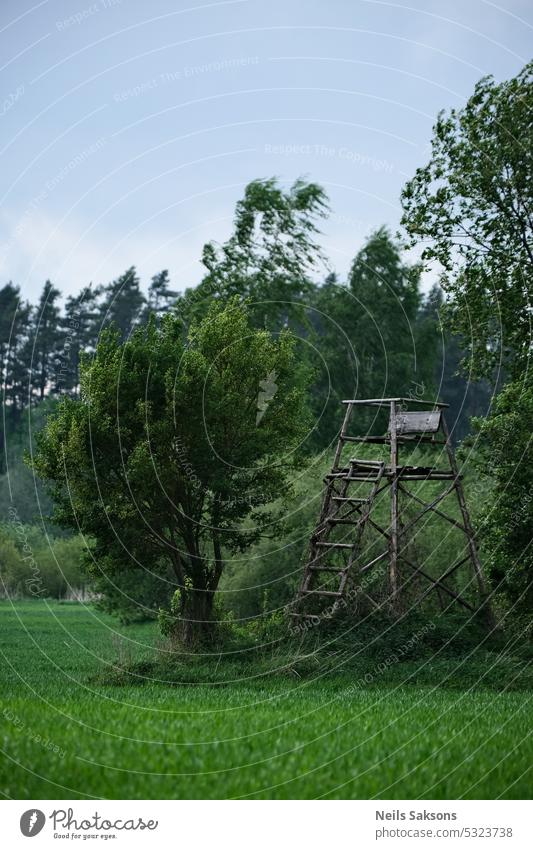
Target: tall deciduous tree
466,396
471,206
367,332
270,255
166,454
387,291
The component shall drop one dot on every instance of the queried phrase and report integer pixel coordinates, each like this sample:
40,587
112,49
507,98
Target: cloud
39,246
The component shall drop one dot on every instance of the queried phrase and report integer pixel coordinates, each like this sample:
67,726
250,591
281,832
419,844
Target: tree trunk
197,624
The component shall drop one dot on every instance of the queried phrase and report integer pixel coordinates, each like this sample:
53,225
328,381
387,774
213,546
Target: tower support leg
470,536
393,543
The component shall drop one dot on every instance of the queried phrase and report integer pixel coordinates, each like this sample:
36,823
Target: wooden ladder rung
373,463
371,471
344,474
344,521
321,592
361,478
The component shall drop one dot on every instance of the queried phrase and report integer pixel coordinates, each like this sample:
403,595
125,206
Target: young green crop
256,737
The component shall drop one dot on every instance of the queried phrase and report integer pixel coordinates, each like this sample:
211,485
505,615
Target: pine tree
123,303
80,326
9,305
18,385
14,328
15,349
46,341
160,296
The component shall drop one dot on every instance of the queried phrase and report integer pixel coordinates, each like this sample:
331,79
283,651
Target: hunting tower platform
345,568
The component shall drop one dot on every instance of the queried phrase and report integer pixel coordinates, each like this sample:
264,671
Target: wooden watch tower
342,566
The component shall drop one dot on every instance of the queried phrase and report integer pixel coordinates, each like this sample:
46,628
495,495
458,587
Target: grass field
66,734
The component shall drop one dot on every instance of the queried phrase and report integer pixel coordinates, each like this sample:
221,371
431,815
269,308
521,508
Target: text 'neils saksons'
415,815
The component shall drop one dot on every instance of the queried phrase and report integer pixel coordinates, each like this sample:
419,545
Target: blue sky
128,130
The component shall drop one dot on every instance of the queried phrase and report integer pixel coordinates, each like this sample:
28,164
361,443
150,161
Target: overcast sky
129,129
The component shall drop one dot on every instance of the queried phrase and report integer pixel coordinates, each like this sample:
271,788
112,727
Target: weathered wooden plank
423,422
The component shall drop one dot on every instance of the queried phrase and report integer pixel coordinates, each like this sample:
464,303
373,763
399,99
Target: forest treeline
148,400
377,323
375,333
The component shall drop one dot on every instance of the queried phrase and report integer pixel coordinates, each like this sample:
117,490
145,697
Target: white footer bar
266,824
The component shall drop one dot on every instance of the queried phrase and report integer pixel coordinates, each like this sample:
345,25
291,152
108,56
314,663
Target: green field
65,733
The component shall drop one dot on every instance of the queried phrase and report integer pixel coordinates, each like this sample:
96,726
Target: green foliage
176,455
167,618
442,350
471,207
135,593
270,255
32,564
505,456
367,334
265,579
164,455
19,486
123,304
